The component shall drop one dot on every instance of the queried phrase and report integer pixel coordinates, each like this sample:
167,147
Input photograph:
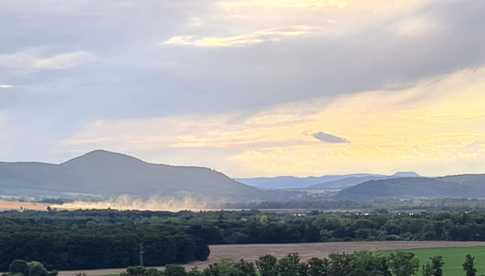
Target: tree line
84,241
109,238
362,263
355,264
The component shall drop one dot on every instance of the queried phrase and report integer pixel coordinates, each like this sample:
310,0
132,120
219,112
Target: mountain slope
353,180
317,182
459,186
112,174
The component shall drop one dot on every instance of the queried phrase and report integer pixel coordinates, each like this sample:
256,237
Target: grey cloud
135,77
330,138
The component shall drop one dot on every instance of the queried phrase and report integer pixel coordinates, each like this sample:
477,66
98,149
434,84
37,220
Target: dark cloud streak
329,138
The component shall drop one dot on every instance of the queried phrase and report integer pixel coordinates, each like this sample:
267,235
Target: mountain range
456,186
107,174
102,174
317,182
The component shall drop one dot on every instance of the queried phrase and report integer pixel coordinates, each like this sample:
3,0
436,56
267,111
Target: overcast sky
248,87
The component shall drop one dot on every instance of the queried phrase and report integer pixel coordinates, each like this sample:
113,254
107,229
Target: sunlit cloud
288,3
6,86
429,128
241,85
257,37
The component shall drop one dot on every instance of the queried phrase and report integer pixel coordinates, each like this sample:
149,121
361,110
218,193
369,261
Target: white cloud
28,61
414,26
256,37
6,86
63,61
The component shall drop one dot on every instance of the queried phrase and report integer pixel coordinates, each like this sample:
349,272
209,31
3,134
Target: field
453,258
308,250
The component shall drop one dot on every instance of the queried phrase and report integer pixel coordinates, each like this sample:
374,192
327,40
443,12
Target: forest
108,238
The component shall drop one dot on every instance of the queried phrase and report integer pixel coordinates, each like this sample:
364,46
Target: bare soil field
252,252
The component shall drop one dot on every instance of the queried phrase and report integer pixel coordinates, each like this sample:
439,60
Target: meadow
453,258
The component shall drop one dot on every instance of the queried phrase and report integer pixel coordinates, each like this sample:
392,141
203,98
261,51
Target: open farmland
453,258
306,250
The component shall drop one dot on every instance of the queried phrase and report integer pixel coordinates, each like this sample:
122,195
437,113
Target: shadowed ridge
97,156
112,174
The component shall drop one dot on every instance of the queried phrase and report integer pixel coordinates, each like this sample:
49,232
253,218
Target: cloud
6,86
28,61
270,35
63,61
287,3
330,138
241,57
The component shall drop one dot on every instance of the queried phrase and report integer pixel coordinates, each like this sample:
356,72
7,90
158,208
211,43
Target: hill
352,180
458,186
105,174
317,182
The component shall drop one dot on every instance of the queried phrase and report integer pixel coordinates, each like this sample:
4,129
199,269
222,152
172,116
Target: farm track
252,252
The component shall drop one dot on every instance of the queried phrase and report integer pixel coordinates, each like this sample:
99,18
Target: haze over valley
102,179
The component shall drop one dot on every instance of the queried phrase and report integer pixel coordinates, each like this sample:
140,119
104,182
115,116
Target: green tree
194,272
135,271
437,266
37,269
426,270
19,267
267,265
404,263
369,264
340,264
318,267
244,268
175,270
152,272
291,266
469,265
223,268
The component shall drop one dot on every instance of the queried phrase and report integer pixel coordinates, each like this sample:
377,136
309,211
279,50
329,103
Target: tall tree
404,263
267,265
437,266
469,265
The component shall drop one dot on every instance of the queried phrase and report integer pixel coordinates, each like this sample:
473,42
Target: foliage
404,263
437,266
95,239
110,238
469,265
355,264
33,268
267,265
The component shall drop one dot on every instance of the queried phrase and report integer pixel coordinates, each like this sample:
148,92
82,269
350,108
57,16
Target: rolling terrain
318,182
107,174
457,186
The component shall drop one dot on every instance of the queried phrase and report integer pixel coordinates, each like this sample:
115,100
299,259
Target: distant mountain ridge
111,174
317,182
455,186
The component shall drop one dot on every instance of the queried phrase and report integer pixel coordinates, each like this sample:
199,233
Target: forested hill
459,186
111,174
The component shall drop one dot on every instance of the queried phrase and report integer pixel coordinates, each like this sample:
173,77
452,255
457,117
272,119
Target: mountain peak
102,156
405,174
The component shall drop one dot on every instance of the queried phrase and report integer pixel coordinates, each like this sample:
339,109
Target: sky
247,87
